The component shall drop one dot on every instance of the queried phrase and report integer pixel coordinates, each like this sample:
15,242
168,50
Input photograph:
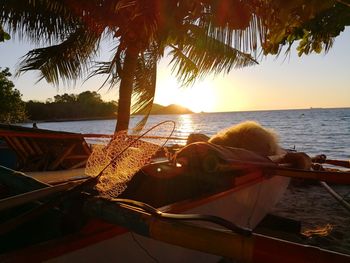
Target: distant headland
158,109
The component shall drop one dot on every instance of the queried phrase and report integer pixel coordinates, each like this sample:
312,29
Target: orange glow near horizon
201,97
296,83
293,82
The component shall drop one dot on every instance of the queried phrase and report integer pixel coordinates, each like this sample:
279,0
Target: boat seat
45,150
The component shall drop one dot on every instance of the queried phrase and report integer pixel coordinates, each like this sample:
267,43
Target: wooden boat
40,150
50,216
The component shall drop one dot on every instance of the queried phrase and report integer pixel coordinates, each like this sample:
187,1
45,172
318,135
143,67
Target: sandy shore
315,207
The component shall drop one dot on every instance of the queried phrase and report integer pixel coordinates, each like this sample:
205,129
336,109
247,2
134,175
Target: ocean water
314,131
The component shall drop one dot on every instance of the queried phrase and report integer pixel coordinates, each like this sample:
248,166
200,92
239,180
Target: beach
313,206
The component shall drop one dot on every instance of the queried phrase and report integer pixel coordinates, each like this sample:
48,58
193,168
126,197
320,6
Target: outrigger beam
337,177
326,176
243,248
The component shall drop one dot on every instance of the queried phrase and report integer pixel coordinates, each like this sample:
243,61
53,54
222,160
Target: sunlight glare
201,97
185,125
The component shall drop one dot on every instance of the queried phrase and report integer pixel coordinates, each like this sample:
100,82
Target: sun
200,97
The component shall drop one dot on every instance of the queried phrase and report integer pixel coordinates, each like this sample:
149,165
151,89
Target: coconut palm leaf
201,54
67,61
145,85
43,21
113,70
186,69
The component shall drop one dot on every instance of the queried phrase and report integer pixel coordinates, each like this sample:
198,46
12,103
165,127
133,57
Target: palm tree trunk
125,90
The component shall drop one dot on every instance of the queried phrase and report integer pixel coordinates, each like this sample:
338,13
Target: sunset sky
290,82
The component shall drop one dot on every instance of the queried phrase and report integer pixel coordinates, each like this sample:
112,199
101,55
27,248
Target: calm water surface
314,131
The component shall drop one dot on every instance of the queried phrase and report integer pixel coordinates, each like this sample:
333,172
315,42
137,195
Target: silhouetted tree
12,108
88,97
85,105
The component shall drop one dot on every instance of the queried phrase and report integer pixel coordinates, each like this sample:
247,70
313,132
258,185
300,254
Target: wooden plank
77,156
28,197
86,147
19,146
13,146
35,146
60,158
78,165
27,146
51,177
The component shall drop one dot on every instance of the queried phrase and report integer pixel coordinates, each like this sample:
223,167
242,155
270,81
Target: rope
336,196
138,243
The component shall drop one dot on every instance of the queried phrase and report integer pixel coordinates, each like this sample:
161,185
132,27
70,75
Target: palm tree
144,31
201,36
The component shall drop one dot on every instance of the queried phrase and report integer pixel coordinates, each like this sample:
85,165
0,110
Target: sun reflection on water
185,126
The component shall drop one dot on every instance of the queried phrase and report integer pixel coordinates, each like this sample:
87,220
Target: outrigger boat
204,210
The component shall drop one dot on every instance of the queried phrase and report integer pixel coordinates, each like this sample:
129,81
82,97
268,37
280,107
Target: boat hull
244,205
241,197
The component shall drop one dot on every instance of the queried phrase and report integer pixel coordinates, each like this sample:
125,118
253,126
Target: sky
292,82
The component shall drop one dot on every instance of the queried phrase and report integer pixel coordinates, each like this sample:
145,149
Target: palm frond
68,60
145,85
41,21
241,28
185,69
113,69
201,54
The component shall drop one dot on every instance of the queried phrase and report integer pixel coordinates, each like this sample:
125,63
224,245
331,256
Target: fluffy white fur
249,135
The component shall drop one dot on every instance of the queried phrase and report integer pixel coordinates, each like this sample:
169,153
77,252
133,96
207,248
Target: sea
313,131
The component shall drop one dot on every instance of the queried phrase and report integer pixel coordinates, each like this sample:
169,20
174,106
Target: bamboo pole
338,177
76,135
342,163
28,197
336,196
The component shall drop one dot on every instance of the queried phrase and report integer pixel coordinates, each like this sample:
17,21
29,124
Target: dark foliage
86,105
12,107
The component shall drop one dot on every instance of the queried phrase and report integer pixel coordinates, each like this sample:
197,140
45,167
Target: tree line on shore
86,105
